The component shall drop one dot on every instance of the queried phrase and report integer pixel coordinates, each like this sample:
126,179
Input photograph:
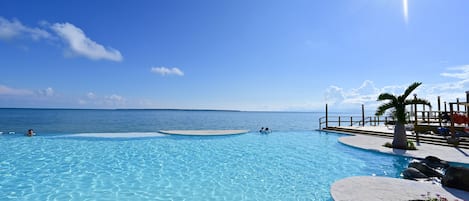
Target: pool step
435,140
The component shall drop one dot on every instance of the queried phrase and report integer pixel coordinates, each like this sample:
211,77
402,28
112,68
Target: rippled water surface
278,166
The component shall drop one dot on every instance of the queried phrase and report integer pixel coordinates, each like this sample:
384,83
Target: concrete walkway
385,188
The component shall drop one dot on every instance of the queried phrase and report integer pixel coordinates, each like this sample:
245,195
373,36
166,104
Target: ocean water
73,121
294,162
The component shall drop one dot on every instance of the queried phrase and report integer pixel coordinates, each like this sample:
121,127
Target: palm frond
409,89
381,109
387,96
398,103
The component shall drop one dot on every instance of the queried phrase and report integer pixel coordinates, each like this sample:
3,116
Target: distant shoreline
136,109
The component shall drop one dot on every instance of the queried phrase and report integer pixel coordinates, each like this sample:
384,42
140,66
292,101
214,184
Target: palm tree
398,103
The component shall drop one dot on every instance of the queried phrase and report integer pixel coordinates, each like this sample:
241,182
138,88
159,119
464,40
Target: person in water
30,133
265,130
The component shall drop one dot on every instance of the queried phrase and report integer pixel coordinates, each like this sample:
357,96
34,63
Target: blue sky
246,55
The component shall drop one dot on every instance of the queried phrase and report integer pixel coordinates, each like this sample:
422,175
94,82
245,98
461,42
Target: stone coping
204,132
385,188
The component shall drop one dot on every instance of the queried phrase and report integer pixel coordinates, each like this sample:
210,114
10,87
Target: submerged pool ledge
204,132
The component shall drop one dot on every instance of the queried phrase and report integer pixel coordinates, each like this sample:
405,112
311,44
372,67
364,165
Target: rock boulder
413,174
425,169
435,162
456,177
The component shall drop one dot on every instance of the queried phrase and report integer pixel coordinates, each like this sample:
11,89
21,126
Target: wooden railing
423,118
332,121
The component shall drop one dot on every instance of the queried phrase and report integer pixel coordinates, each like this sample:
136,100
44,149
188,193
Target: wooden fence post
363,115
327,118
439,111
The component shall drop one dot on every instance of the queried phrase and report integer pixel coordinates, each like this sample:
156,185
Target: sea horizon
164,109
66,121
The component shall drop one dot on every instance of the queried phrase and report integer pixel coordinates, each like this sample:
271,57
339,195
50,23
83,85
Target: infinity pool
278,166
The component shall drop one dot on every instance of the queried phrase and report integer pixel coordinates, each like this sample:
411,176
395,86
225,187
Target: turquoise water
292,163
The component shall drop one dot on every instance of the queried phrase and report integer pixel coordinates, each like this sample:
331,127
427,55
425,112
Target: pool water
283,165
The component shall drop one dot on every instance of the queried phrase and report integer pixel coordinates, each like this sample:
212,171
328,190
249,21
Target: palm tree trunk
400,137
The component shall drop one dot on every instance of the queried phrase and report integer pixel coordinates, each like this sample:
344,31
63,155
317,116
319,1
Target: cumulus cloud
334,94
5,90
80,44
167,71
14,28
367,87
367,93
75,38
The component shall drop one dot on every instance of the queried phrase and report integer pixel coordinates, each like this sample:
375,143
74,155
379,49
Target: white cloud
80,44
367,87
47,92
114,100
460,85
93,100
115,97
462,74
14,28
74,37
367,93
90,95
167,71
5,90
334,94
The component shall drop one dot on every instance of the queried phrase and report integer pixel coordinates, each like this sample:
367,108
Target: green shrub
410,145
388,144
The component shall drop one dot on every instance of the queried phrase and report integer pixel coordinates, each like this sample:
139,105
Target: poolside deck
451,154
383,131
384,188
